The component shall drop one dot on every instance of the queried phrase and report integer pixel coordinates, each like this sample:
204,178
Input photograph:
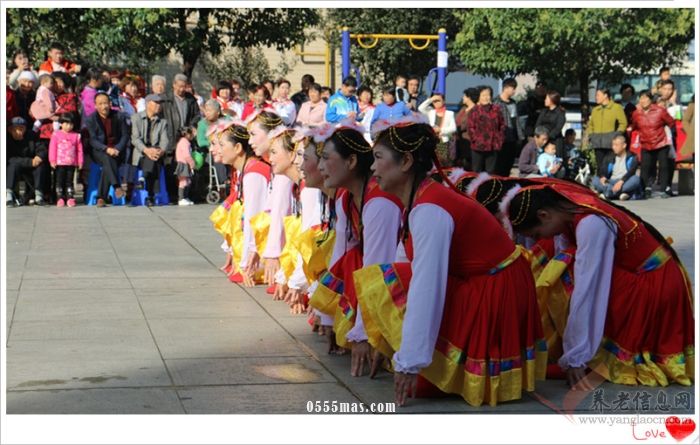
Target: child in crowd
185,164
45,103
620,167
65,153
548,162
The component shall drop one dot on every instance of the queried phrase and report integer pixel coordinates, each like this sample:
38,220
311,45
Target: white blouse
381,222
255,188
279,205
287,111
593,266
431,233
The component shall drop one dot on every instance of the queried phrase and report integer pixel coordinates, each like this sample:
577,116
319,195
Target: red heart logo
680,429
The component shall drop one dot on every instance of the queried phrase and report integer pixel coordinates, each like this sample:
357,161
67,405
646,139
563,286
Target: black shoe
149,202
647,193
668,193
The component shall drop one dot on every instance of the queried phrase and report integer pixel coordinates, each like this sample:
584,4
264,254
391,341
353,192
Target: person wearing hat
109,137
25,95
149,136
25,155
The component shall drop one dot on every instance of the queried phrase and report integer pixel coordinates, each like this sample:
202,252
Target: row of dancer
456,284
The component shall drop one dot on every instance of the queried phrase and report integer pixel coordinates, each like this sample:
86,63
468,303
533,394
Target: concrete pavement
124,310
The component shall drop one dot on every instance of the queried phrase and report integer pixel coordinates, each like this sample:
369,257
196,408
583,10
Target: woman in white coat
440,118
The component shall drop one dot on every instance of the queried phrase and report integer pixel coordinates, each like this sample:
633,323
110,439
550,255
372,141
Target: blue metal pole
442,60
345,51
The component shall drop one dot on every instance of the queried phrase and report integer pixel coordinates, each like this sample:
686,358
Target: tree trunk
583,79
193,51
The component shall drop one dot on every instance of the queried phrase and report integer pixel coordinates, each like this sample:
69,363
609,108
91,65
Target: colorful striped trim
507,262
394,285
494,367
657,259
540,255
332,282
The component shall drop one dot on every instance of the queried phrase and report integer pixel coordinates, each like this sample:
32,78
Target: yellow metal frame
326,59
409,37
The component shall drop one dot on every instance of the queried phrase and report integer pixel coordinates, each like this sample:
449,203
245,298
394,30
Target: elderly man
180,109
25,95
25,155
109,138
149,136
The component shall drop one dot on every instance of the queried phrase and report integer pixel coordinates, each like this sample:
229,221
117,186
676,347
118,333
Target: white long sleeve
310,216
341,244
280,206
254,194
381,220
593,266
287,111
431,231
449,126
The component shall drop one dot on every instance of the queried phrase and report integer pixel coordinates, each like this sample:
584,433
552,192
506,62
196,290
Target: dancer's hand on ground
405,385
377,362
576,377
280,291
298,309
361,358
272,265
253,264
292,296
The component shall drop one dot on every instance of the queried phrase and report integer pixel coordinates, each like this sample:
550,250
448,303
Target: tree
138,37
382,63
573,46
248,65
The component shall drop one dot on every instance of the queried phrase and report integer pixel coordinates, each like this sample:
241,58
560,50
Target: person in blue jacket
390,109
343,104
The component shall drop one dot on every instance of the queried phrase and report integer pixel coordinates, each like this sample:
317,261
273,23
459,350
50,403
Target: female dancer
462,313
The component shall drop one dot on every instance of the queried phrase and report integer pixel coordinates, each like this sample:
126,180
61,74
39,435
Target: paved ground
123,310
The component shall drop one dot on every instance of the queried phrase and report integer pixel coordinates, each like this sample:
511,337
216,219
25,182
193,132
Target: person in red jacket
10,104
56,62
651,120
486,128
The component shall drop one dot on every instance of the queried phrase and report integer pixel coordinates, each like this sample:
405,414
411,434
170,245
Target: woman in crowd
486,131
261,101
367,229
630,318
130,100
553,117
212,114
283,106
463,148
651,121
462,312
312,112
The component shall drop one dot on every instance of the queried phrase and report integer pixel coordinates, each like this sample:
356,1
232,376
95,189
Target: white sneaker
183,202
190,202
602,196
624,197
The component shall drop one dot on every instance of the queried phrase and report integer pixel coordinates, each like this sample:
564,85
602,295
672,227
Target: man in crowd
607,120
56,62
415,97
150,138
514,131
109,138
302,96
527,164
627,100
24,155
343,104
180,109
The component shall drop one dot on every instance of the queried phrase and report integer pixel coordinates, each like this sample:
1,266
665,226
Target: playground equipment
440,71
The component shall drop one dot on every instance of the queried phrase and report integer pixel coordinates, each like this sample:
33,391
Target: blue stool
93,185
138,197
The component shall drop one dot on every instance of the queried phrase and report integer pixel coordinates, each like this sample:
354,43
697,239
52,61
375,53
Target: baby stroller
579,168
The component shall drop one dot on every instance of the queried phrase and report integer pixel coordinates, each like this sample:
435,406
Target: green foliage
379,65
248,65
136,38
571,46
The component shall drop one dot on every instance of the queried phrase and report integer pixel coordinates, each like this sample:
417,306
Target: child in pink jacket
185,164
65,153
